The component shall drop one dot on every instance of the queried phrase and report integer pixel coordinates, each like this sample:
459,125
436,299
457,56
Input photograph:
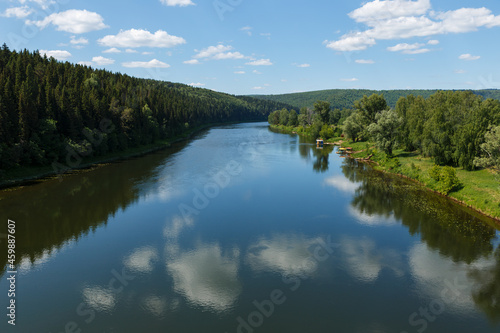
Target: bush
446,178
435,172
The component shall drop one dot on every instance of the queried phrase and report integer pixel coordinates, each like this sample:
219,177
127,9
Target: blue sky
270,47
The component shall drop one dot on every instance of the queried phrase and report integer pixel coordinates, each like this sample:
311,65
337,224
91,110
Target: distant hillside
344,98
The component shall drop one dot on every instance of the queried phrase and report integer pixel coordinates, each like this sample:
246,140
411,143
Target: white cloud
147,53
365,260
459,71
363,61
112,50
141,260
303,65
219,52
74,21
433,42
248,30
408,48
384,10
228,55
351,42
212,50
130,51
371,220
283,254
207,277
468,57
99,299
419,51
341,183
180,3
146,64
155,305
350,80
432,273
468,19
191,62
79,41
239,72
261,62
256,72
56,54
101,61
400,19
44,4
258,88
18,12
196,84
404,47
141,38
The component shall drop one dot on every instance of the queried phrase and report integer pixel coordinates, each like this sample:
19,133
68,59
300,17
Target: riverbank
479,190
31,175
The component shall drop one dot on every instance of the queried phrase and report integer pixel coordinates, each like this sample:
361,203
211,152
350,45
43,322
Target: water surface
245,230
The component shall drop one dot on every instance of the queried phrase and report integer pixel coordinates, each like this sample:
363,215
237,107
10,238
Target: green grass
480,188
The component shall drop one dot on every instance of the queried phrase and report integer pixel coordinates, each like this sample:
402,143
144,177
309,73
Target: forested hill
49,108
345,98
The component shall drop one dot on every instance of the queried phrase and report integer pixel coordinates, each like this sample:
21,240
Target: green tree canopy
385,130
491,150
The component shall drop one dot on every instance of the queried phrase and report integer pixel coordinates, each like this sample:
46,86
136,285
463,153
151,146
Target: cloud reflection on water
206,276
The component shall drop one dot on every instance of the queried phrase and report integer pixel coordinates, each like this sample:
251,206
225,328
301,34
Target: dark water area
242,229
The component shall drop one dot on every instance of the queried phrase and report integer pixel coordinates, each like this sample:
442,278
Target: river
242,229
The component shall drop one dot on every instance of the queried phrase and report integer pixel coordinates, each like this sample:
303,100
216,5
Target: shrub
446,178
435,172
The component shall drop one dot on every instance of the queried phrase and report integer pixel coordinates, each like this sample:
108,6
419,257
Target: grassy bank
479,189
30,175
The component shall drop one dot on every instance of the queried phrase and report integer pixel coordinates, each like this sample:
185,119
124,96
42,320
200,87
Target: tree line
320,121
48,108
455,128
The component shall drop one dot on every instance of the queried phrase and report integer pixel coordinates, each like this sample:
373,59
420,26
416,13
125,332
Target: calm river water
244,230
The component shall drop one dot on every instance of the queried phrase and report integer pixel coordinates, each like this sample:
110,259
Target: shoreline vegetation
26,176
449,142
479,190
57,116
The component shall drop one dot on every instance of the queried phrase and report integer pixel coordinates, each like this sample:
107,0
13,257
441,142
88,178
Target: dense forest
454,128
50,110
345,98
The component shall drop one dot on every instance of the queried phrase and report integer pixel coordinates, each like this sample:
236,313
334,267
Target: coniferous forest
49,109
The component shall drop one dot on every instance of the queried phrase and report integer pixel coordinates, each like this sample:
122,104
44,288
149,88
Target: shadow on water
445,226
319,155
310,152
51,213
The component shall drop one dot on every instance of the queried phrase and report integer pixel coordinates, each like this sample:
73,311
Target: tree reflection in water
453,231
